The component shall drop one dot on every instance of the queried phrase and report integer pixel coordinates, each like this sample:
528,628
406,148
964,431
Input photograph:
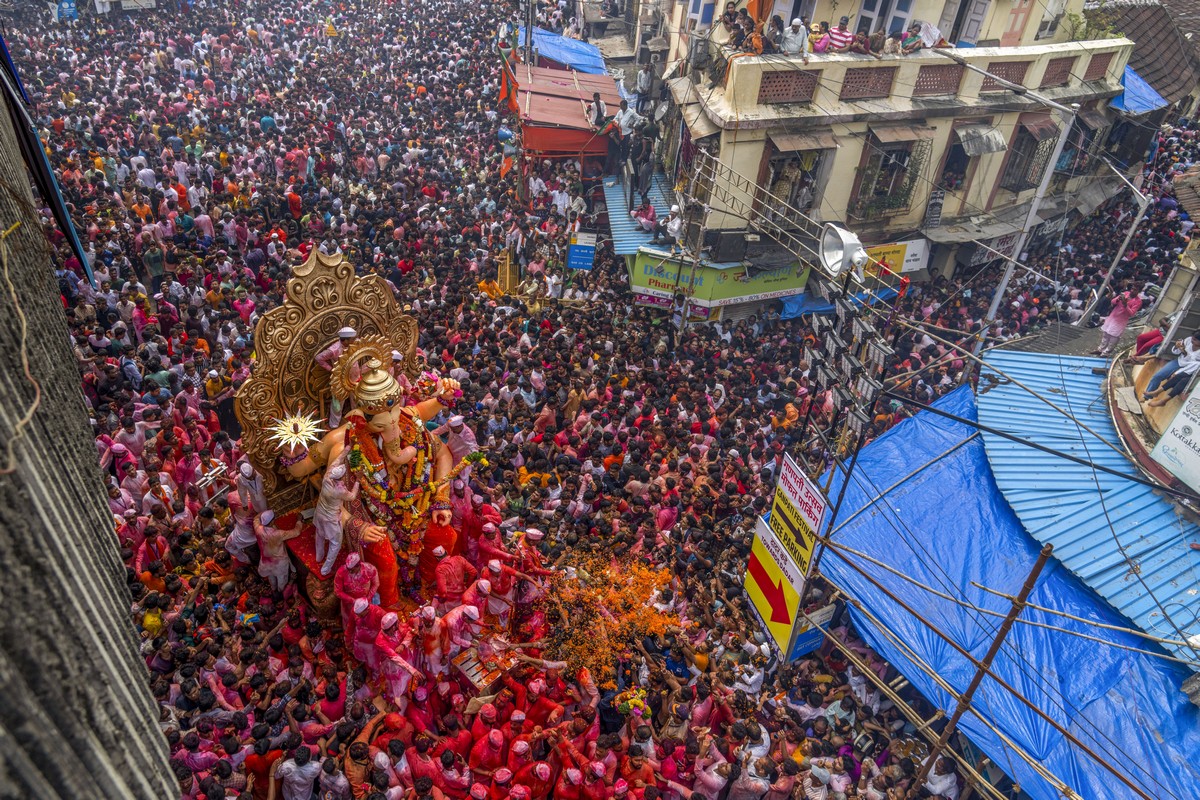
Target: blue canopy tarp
807,303
944,523
577,55
1139,97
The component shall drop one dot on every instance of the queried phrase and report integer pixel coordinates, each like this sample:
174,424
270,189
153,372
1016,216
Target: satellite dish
660,112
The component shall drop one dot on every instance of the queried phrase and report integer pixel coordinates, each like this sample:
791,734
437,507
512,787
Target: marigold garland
596,617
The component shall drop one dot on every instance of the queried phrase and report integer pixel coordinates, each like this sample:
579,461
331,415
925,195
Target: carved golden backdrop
323,296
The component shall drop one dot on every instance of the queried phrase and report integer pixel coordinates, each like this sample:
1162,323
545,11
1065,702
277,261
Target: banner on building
900,257
1178,449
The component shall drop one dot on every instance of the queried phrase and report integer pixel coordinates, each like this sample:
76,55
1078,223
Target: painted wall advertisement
654,275
1178,450
899,256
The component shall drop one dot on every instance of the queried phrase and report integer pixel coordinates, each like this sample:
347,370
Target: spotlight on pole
841,250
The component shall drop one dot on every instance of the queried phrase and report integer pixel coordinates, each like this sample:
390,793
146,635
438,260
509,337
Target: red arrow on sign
772,591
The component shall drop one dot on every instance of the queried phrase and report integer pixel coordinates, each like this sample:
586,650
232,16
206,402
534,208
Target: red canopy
553,109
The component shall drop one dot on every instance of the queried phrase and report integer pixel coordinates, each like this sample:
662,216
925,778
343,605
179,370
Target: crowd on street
205,149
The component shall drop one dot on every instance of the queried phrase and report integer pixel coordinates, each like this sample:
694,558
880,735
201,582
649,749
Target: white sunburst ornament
295,431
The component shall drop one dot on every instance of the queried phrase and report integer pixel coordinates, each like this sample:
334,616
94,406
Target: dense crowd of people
205,150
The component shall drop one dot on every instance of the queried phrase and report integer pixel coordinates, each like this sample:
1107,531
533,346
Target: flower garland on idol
384,500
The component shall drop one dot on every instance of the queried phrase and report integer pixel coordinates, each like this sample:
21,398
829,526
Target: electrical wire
1033,675
1033,623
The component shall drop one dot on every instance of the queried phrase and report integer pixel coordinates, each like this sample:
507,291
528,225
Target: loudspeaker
726,245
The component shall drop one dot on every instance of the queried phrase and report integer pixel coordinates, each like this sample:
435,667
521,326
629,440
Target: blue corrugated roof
628,235
1107,530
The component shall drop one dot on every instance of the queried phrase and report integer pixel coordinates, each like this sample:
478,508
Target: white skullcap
471,612
389,619
347,333
439,551
494,565
457,419
361,605
484,585
267,517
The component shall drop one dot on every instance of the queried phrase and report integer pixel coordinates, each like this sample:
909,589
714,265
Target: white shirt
627,120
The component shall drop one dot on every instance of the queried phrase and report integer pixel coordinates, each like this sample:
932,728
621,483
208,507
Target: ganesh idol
402,470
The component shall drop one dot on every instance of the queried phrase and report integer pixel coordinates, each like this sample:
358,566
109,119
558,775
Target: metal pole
1143,202
1001,682
530,16
1068,123
964,700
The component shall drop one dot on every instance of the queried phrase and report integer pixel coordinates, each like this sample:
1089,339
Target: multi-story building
920,147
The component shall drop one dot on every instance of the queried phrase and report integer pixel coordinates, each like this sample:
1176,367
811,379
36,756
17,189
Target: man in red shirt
488,756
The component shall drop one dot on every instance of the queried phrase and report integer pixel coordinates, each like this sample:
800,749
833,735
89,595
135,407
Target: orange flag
512,91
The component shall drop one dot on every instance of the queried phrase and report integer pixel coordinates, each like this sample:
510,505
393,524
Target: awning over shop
1040,126
1139,97
808,140
1093,119
1095,194
698,123
683,91
900,132
953,234
923,506
979,139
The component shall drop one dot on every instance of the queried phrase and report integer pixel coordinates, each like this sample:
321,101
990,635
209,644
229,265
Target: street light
841,250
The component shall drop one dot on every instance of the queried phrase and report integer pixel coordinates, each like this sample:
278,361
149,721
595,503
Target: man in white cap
336,489
273,561
504,582
250,488
529,561
668,229
461,441
477,594
326,359
454,574
461,626
795,40
354,580
368,621
395,665
241,539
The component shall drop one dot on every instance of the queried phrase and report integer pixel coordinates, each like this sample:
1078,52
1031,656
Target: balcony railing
836,84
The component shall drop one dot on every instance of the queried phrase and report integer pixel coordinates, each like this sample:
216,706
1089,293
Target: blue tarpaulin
1139,97
806,303
923,501
577,55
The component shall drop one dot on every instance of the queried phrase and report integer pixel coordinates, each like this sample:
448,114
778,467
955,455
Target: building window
1058,72
1084,143
1097,68
867,82
889,178
793,179
1052,14
1011,71
1031,151
938,79
788,86
954,174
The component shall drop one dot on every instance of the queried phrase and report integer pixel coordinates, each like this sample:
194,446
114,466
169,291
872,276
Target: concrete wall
76,716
